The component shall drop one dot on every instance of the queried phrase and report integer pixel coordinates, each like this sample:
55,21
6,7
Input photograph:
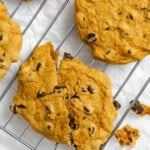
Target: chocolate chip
90,89
58,114
119,13
21,106
38,66
1,37
84,89
48,127
1,60
106,28
48,111
144,36
131,17
129,51
72,123
91,130
86,110
13,108
143,8
107,52
4,54
67,96
40,94
91,37
68,55
58,88
75,96
71,138
117,104
136,107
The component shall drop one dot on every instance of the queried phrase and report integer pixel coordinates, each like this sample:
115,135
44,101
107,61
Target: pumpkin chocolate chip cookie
118,32
72,104
10,41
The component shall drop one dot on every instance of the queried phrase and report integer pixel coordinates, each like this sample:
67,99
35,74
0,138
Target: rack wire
10,84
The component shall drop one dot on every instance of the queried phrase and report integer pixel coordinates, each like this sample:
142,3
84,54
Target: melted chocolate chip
117,104
90,89
75,96
120,13
58,88
143,8
87,110
13,108
68,55
72,123
4,54
48,127
40,94
106,28
1,37
131,17
84,89
129,51
108,52
21,106
48,111
38,66
67,96
136,107
91,37
71,138
91,130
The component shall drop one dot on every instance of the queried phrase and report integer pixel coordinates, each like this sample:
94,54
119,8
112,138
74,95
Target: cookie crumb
127,136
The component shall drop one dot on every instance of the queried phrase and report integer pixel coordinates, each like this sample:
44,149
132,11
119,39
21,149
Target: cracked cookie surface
73,105
10,40
118,32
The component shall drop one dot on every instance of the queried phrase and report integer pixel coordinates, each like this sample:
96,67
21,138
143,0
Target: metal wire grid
81,47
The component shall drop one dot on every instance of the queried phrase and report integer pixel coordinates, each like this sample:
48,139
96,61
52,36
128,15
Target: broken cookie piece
127,136
74,107
140,108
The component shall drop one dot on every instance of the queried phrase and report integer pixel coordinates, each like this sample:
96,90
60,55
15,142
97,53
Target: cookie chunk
72,104
127,136
140,108
118,32
10,41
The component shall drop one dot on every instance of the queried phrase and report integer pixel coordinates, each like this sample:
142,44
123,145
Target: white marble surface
72,44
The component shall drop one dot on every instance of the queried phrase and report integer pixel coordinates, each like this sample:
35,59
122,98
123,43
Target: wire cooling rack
128,81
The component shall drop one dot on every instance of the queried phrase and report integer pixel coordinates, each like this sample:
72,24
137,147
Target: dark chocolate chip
129,51
86,110
75,96
4,54
119,13
131,17
71,138
1,60
143,8
21,106
90,89
58,88
117,104
13,108
91,130
58,114
40,94
1,37
91,37
108,52
67,96
48,111
72,123
84,89
38,66
136,107
68,55
144,36
106,28
48,127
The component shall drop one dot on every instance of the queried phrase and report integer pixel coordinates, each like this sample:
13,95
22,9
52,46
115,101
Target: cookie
70,104
127,136
10,41
3,9
140,108
118,32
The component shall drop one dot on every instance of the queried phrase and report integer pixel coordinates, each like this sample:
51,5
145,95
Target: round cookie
10,41
71,104
118,32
